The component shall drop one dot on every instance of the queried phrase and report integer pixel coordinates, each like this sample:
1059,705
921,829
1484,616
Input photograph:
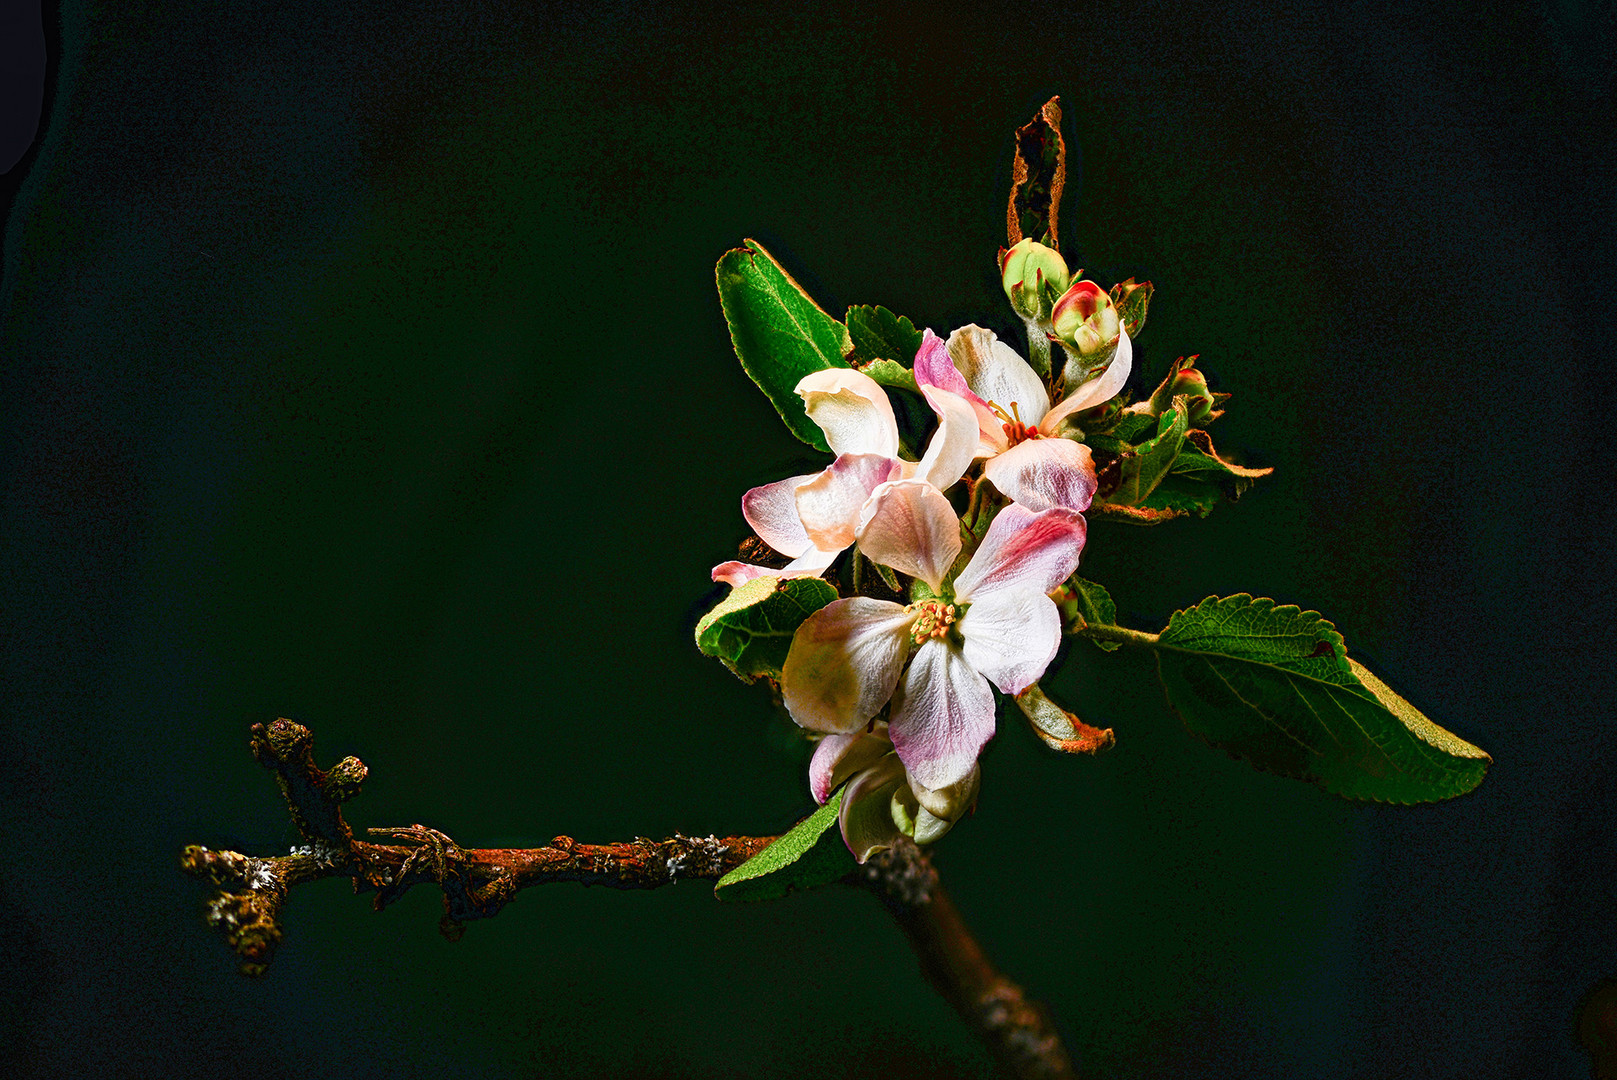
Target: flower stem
1106,632
1038,349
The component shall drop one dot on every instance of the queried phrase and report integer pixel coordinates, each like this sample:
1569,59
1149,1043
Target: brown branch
478,882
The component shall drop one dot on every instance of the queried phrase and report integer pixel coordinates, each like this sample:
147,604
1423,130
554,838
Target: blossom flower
882,802
936,658
813,518
1017,425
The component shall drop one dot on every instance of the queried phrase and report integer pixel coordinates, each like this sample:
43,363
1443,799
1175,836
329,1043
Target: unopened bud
1033,276
1184,380
1085,320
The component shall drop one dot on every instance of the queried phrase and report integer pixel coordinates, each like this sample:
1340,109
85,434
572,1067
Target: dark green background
363,365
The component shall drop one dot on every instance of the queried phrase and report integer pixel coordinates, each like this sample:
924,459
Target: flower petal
840,756
951,802
943,713
955,442
828,505
1011,637
933,367
812,563
910,526
1023,550
866,816
997,374
771,510
844,662
1041,473
1104,387
853,411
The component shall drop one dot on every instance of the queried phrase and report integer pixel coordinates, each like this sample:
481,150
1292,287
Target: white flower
1017,425
812,519
883,801
994,624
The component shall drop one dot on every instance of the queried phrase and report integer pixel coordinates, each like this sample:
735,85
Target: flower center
1014,429
933,622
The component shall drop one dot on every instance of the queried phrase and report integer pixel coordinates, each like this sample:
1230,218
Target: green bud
1033,276
1085,321
1184,380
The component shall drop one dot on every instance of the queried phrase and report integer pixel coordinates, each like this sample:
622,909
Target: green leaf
751,629
1274,686
1093,604
1143,469
780,335
1131,300
1200,461
892,374
1180,495
878,334
811,854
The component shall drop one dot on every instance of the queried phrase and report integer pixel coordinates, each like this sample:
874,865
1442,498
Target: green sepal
779,333
1273,685
892,374
751,629
878,334
811,853
1132,299
1083,602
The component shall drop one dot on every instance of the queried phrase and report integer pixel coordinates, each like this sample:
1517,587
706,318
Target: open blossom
1017,425
813,518
935,659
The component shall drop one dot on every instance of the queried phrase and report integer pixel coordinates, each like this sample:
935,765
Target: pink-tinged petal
934,368
853,411
739,573
996,374
771,510
828,505
1104,387
1041,473
943,713
812,563
844,662
955,442
866,816
840,756
1023,550
910,526
1011,637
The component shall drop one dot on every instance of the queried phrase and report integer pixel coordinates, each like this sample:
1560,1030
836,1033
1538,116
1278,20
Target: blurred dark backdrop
363,365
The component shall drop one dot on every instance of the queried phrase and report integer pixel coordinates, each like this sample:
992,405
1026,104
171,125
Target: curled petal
866,818
828,504
943,713
996,374
1023,550
1041,473
1104,387
934,368
844,662
812,563
910,526
840,756
951,802
853,411
771,510
1011,637
955,442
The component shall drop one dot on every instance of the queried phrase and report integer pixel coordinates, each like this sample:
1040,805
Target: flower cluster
902,693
